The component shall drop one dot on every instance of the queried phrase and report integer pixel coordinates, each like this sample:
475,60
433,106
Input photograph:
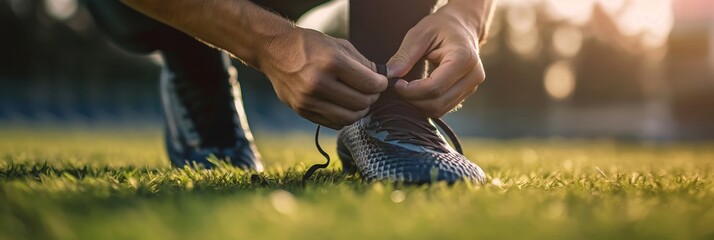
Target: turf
116,184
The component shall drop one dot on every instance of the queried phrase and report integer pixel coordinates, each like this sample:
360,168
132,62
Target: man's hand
325,80
448,38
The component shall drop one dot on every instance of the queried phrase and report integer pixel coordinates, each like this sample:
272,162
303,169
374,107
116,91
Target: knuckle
313,86
344,43
468,56
373,85
473,54
301,111
481,77
357,116
435,91
301,108
363,103
330,60
301,104
480,80
310,89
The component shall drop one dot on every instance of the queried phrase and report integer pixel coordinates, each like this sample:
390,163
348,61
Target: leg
200,96
201,99
377,27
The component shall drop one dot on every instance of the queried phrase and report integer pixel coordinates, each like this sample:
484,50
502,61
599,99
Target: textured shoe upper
394,142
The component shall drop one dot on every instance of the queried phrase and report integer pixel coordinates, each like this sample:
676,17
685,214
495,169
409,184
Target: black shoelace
403,124
421,132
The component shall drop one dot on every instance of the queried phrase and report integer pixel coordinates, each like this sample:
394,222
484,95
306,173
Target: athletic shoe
205,117
395,142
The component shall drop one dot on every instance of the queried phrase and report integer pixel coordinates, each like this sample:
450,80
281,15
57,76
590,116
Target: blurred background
637,69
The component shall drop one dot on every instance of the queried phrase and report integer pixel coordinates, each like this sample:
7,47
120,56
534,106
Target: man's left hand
449,39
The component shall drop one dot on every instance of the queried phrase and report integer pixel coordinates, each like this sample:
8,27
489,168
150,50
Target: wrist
251,38
469,12
277,47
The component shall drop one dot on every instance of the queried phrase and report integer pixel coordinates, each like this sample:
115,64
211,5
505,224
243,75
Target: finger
319,119
335,113
356,55
438,107
413,48
479,76
345,96
452,67
360,77
456,104
363,76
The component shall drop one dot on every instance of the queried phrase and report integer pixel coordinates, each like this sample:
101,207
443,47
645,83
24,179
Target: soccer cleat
395,142
205,117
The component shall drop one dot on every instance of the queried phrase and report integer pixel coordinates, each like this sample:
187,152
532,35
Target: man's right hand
324,79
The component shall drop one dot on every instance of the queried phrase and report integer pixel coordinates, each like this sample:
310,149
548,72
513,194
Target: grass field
116,184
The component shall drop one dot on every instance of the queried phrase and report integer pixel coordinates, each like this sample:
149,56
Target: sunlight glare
611,6
575,12
651,18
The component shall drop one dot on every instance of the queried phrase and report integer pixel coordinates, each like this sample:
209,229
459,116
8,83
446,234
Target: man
387,131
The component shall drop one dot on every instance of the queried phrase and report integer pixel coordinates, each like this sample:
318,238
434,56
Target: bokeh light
567,41
521,19
559,80
523,37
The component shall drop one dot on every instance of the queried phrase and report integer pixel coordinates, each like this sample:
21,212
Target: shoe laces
208,102
402,123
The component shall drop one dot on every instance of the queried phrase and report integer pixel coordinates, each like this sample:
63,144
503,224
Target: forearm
240,27
477,12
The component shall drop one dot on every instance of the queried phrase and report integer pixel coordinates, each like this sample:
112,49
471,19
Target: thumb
413,48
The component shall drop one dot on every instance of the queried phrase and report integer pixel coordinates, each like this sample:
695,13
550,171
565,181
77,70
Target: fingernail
392,71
